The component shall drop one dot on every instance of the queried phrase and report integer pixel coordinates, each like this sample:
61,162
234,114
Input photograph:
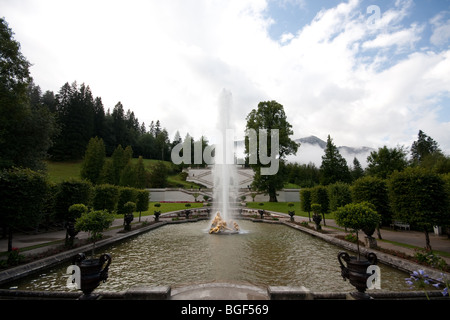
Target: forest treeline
36,126
79,116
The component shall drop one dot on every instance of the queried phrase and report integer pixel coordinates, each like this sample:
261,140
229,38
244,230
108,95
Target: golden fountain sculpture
219,226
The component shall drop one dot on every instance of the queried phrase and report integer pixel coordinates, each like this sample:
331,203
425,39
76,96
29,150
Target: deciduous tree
268,116
105,197
26,126
305,200
71,192
142,201
23,193
419,197
386,160
319,195
339,194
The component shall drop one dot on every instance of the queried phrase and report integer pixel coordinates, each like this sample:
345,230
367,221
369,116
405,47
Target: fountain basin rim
225,233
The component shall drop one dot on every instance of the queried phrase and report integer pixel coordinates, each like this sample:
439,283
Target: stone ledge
216,291
289,293
148,293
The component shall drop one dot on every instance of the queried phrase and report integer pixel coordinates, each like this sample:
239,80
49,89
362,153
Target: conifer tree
128,176
141,174
357,171
75,113
117,164
99,118
158,175
94,160
127,154
107,173
334,167
118,125
423,147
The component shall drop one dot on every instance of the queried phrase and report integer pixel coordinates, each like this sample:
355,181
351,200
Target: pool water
262,254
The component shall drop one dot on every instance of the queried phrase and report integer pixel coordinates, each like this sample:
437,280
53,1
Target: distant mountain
312,149
355,150
313,140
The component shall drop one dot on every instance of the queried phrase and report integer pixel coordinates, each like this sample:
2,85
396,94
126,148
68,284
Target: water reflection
185,253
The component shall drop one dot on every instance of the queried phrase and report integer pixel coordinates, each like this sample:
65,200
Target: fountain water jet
224,170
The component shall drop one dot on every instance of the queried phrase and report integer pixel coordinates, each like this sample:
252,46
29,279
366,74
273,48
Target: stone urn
292,214
157,214
317,219
261,213
127,220
370,241
71,232
356,272
93,271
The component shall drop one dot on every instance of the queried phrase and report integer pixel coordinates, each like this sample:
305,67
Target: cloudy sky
368,72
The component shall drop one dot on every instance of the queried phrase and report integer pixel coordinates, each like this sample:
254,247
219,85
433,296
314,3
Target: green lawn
64,170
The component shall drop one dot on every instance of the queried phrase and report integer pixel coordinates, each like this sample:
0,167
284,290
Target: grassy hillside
60,171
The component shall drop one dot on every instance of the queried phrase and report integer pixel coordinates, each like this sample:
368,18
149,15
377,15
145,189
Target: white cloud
286,37
441,29
169,60
403,39
294,3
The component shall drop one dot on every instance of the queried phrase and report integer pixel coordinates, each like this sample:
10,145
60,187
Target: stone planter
127,220
370,241
71,232
93,271
292,214
317,219
356,272
261,213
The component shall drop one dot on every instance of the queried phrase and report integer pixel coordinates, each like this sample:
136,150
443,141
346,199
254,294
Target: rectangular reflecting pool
179,254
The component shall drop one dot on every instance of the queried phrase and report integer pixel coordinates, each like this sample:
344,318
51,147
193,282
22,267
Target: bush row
416,196
30,200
